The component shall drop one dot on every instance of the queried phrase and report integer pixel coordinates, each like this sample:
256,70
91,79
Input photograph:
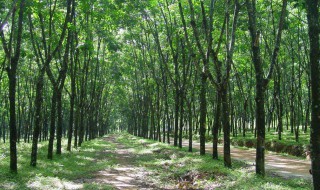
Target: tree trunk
12,73
203,113
60,121
190,126
12,123
260,125
261,82
176,116
38,118
52,124
314,29
181,118
215,129
226,126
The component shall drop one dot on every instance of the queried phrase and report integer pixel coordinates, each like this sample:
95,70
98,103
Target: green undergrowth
286,145
63,172
286,137
171,165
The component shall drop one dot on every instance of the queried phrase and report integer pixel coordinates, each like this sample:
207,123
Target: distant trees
227,61
42,43
172,69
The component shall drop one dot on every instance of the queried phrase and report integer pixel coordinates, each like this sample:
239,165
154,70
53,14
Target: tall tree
261,81
12,51
314,30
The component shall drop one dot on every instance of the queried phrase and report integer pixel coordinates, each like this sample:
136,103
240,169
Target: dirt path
284,166
124,175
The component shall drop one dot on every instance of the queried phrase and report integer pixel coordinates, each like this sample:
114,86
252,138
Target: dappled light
158,94
41,182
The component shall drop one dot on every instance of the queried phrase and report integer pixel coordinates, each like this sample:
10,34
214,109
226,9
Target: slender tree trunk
280,104
190,126
260,125
12,123
176,116
52,124
203,113
12,73
181,118
38,117
73,71
215,129
60,121
76,127
71,116
226,126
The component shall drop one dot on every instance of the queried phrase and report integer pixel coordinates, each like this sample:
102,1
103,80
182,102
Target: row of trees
239,67
56,73
158,69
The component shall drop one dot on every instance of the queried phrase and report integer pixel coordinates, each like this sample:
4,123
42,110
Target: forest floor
123,175
122,161
134,170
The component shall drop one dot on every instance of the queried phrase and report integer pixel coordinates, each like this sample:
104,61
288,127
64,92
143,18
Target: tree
261,81
12,51
314,30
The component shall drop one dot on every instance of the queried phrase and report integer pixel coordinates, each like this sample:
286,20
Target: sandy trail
124,175
284,166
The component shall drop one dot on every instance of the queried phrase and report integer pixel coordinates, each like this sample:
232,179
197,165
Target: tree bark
52,124
314,29
216,126
38,118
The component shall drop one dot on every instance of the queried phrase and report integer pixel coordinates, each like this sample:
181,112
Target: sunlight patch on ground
144,151
141,141
123,177
84,158
154,145
88,149
49,183
8,185
272,186
81,163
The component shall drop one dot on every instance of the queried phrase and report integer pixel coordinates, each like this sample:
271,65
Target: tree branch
3,23
278,40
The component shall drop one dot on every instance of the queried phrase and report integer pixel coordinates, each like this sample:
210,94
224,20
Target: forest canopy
208,70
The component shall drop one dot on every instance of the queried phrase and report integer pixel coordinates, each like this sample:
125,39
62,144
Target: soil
124,175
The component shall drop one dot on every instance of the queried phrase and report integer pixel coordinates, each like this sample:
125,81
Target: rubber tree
261,80
314,30
12,51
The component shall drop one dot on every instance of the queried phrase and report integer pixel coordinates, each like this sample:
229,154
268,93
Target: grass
167,166
272,135
287,137
287,145
97,186
171,165
63,170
